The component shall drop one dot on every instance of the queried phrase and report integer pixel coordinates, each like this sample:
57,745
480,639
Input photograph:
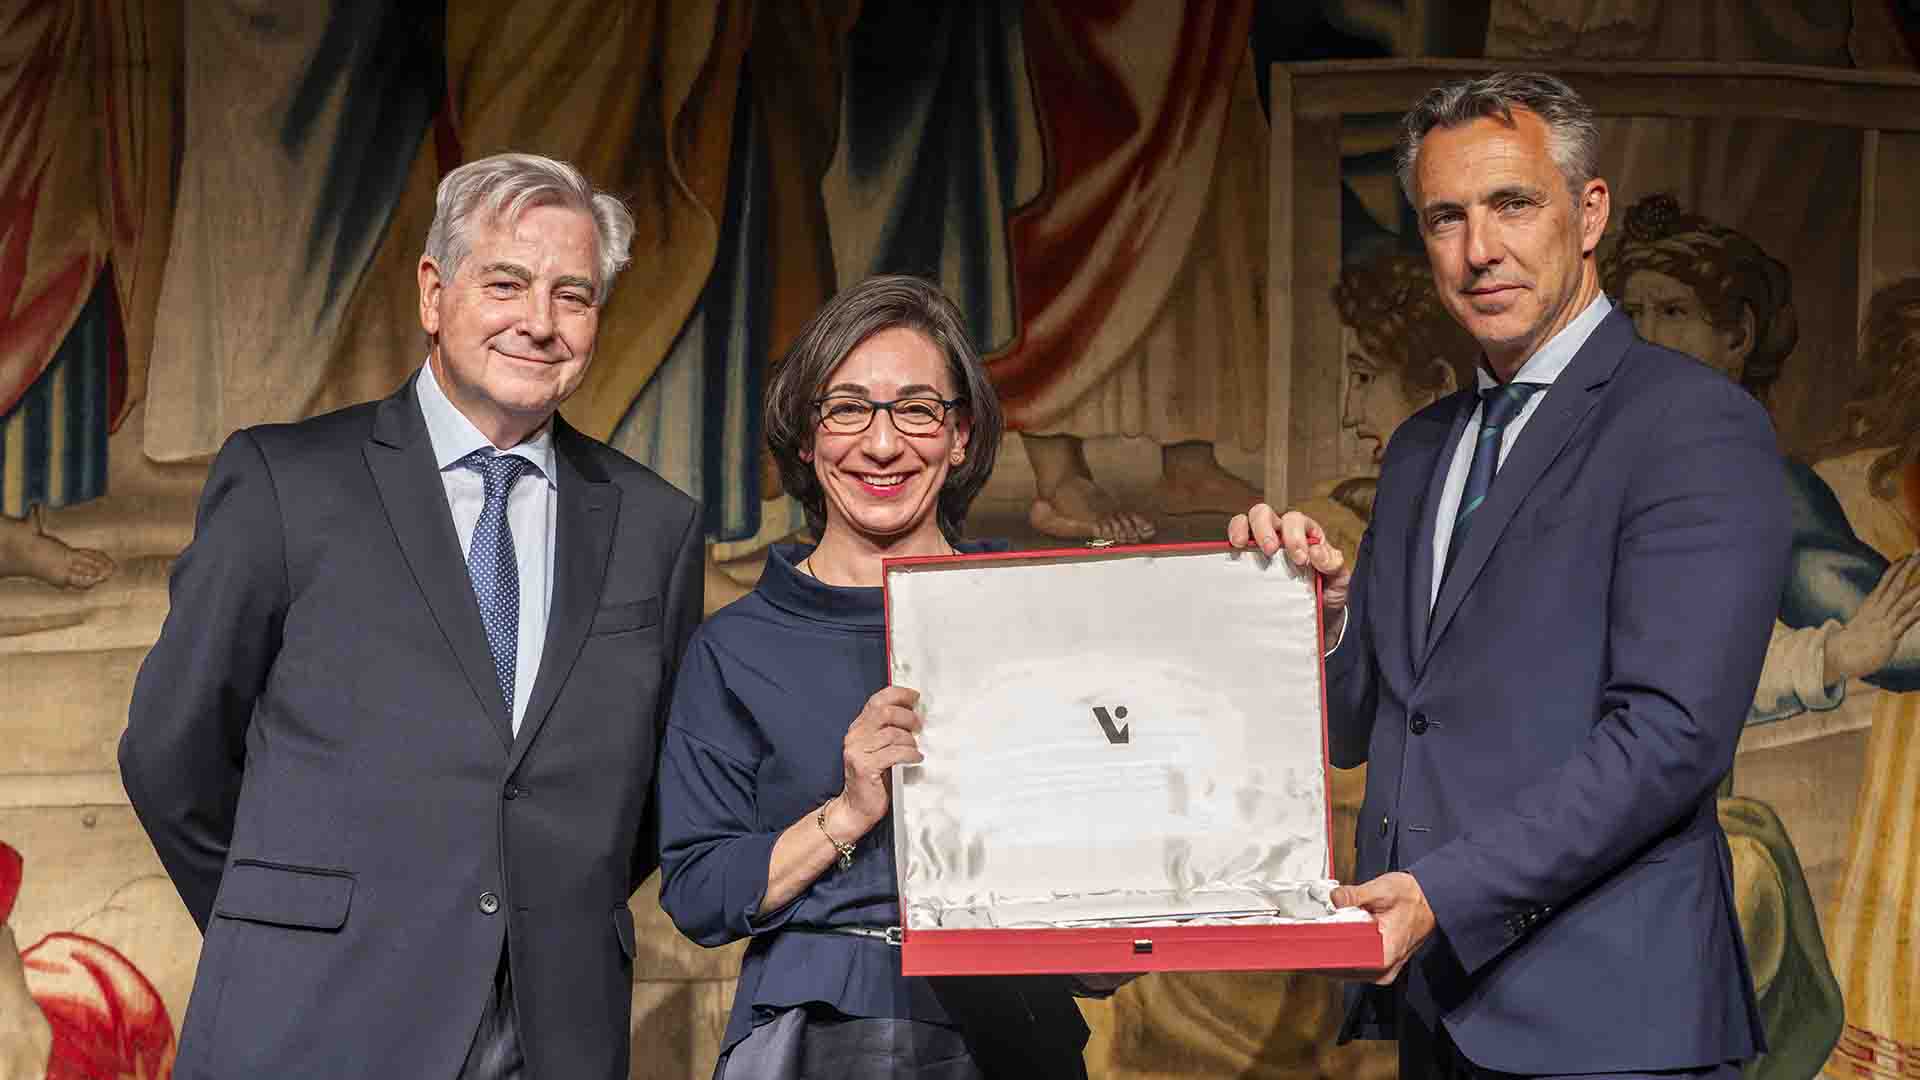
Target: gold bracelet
845,850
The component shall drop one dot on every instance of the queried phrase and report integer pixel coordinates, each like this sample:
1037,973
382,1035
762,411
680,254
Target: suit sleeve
1352,690
685,594
1698,565
185,744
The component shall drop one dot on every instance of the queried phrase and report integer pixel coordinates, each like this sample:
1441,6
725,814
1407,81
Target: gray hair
856,314
502,187
1572,139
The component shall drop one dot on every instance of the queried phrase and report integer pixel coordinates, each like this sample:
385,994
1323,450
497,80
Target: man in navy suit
1548,641
396,743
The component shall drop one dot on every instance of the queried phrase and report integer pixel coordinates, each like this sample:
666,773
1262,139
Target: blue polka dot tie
1498,406
491,562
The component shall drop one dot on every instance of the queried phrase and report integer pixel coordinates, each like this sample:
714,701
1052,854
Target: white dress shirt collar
1546,364
454,436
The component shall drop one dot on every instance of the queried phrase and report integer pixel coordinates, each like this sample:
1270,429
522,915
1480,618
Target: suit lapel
586,507
1420,569
1565,405
400,456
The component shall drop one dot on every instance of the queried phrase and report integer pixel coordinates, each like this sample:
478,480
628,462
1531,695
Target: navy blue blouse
764,696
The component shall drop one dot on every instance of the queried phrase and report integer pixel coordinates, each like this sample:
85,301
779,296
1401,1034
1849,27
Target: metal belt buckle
893,936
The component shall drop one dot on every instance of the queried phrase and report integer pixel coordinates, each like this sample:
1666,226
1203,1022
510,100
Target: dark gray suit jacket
319,750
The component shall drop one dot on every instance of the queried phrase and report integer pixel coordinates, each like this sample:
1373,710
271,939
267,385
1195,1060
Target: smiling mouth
542,360
882,485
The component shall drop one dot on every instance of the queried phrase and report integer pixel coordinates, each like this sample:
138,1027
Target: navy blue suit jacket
1543,747
319,749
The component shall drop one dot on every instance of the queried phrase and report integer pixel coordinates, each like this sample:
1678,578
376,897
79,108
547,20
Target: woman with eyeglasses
773,779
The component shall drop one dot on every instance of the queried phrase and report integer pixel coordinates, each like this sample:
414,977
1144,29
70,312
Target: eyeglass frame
877,407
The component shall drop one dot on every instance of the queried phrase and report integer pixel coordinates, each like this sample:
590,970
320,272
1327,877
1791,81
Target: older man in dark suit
396,741
1548,640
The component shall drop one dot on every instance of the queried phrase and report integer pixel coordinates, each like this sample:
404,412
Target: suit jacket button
514,791
489,903
1418,724
1384,824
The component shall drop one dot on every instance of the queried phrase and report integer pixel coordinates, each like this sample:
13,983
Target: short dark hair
887,302
1572,138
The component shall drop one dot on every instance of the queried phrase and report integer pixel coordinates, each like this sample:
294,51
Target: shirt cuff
1346,617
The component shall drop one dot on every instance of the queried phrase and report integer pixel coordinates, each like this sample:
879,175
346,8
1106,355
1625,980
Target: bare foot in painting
26,551
1068,504
1078,509
1192,481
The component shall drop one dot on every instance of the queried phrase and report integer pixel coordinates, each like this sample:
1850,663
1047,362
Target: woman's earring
957,456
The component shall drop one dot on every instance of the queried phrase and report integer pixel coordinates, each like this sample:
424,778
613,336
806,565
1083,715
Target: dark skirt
819,1044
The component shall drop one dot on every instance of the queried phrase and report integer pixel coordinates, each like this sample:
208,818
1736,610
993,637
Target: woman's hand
1867,641
881,737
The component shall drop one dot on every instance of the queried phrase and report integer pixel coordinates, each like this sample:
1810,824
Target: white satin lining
1027,813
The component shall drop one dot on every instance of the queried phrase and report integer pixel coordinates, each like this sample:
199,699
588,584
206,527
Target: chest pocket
1553,516
625,618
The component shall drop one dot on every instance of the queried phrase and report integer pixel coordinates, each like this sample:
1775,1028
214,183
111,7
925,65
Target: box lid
1111,735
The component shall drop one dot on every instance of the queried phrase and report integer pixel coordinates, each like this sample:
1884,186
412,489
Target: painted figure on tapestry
1857,516
1703,289
83,227
1110,169
1403,351
1709,291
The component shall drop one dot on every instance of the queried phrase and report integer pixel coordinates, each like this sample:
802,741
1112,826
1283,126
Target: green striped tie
1498,406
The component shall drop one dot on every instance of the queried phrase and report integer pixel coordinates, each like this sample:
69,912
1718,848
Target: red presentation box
1126,765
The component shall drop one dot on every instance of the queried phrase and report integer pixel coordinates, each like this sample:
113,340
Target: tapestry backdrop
210,216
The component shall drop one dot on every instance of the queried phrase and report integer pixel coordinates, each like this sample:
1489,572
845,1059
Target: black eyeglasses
847,415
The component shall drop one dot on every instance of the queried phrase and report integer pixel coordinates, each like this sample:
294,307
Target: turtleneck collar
791,589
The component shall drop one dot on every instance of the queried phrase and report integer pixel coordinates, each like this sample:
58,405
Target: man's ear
431,286
1595,207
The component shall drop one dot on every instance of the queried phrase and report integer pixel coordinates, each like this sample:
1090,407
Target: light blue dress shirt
1544,366
530,515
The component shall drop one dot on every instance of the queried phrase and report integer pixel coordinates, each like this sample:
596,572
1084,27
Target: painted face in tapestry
1378,397
1667,312
1511,246
883,484
513,331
